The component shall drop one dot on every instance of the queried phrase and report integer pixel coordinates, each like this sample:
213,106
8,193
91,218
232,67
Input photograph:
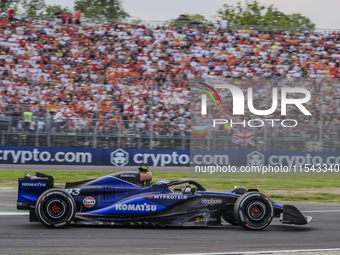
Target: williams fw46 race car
129,198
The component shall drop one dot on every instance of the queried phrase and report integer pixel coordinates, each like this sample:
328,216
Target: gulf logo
89,202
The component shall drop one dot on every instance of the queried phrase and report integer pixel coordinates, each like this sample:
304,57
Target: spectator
28,117
77,16
57,17
58,121
128,75
64,17
15,119
69,18
41,125
224,23
18,16
11,14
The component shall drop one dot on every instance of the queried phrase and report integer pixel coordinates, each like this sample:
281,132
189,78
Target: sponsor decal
34,184
168,197
208,219
60,224
136,207
23,156
211,201
128,175
255,159
160,159
89,202
82,156
73,192
198,219
119,158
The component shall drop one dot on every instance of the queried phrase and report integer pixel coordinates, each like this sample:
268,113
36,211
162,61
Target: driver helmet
143,168
164,181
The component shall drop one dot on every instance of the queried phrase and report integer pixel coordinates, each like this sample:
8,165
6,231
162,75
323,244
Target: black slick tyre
253,211
55,208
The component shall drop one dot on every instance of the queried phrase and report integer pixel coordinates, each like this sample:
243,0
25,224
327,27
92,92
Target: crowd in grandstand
123,71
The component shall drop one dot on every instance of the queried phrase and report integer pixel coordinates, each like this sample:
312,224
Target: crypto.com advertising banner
88,156
293,115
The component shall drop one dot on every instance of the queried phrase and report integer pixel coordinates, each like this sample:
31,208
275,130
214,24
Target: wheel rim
56,209
256,211
253,210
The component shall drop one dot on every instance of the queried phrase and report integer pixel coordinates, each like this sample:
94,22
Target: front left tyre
55,208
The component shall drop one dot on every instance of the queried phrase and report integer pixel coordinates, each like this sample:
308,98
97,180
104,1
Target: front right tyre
55,208
253,211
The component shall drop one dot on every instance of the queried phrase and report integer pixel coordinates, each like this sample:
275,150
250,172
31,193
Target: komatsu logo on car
168,197
133,207
211,201
34,184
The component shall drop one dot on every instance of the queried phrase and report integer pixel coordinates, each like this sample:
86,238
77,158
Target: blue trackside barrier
265,158
136,157
88,156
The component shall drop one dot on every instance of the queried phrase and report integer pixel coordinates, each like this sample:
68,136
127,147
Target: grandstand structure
127,84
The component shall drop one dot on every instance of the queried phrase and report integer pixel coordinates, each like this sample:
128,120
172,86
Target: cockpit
143,178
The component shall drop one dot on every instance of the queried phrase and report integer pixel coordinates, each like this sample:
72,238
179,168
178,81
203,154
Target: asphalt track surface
19,236
24,167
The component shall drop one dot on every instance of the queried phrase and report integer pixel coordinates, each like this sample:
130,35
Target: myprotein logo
168,197
119,158
239,100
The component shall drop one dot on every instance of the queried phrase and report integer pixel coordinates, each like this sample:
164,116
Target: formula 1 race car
129,198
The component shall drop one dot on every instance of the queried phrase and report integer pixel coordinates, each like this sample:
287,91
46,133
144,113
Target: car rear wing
31,187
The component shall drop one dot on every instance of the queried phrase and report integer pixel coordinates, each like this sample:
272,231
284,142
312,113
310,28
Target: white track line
262,252
321,211
13,213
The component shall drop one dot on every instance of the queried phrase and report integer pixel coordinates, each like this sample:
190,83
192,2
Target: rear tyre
253,211
55,208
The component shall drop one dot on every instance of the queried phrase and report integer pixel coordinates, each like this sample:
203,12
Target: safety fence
93,133
103,133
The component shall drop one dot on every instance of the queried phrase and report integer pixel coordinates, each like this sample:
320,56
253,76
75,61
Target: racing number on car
74,192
